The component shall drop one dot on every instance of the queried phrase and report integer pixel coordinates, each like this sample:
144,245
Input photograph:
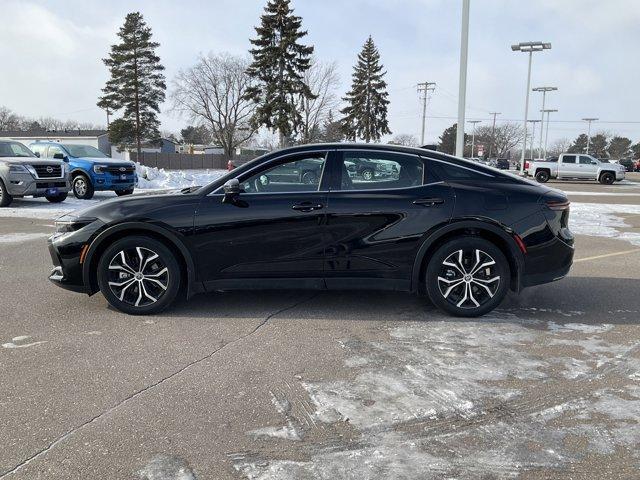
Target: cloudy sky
51,52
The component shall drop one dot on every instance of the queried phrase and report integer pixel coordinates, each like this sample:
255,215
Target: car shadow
590,300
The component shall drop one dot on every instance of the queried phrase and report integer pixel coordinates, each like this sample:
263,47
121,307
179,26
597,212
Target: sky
51,52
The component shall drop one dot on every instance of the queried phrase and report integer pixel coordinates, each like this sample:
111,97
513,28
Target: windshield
14,149
84,151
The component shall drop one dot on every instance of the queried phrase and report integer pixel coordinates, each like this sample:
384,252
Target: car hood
31,160
107,161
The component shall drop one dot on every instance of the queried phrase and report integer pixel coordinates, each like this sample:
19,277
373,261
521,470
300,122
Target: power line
424,88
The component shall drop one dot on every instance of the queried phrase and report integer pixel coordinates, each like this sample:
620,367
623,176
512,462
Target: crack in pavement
136,394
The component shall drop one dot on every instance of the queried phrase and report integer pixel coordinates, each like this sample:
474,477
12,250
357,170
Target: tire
455,288
139,275
607,178
367,174
122,193
309,178
82,187
542,176
61,197
5,198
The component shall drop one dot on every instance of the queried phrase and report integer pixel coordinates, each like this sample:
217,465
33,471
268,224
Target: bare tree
559,146
323,81
212,92
405,140
9,120
505,137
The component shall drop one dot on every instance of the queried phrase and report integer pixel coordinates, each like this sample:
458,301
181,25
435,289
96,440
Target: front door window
300,174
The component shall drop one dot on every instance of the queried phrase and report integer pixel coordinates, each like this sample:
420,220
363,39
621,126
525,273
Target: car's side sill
347,283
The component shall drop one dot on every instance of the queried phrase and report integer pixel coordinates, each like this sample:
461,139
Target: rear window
448,171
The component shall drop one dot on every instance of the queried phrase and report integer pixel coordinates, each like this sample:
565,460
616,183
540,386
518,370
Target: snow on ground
460,399
603,220
152,178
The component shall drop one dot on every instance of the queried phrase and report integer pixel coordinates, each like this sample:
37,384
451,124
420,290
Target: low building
96,138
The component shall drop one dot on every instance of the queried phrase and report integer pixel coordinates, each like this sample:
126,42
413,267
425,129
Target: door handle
307,207
428,202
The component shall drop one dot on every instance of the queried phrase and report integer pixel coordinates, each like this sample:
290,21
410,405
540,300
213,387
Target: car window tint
452,172
569,159
370,170
302,174
584,160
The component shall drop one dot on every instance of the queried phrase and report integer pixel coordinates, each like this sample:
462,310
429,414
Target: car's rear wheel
122,193
139,275
542,176
61,197
607,178
467,277
309,178
367,174
82,187
5,198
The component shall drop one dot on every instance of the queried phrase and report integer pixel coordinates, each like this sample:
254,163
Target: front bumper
67,269
620,175
109,181
25,185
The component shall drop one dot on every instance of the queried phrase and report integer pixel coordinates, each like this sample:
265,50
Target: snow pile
153,178
603,220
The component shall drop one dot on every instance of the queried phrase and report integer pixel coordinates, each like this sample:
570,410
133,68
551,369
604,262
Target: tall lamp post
528,47
462,84
473,135
548,111
533,135
589,120
544,91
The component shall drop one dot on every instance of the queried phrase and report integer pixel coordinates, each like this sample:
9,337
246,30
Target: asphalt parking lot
303,385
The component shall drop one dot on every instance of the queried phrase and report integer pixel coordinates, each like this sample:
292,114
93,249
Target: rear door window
362,170
569,159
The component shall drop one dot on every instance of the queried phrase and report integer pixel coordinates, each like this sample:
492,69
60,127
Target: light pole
544,91
589,120
425,88
462,84
528,47
493,131
548,111
533,135
473,135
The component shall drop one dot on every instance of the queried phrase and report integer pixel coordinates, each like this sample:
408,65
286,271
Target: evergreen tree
598,145
332,130
365,116
137,84
635,150
279,62
619,147
579,145
447,142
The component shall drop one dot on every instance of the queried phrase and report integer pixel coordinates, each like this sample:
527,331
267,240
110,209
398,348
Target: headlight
72,225
99,169
17,169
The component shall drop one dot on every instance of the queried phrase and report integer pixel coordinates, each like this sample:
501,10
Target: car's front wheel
139,275
367,174
467,277
5,198
607,178
82,187
61,197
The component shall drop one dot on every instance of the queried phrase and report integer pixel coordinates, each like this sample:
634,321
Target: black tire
460,298
309,178
607,178
5,198
61,197
122,193
124,287
82,187
367,174
542,176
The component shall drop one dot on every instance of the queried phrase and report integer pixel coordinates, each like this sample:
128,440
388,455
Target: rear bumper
549,265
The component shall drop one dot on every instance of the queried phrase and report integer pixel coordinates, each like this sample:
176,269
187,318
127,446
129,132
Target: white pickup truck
575,166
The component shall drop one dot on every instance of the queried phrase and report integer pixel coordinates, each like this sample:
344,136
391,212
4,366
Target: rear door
568,166
376,222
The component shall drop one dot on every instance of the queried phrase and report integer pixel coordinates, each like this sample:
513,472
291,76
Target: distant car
628,164
90,169
576,166
22,174
637,166
502,164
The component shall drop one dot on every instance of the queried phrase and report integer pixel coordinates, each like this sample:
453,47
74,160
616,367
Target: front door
376,222
588,167
275,231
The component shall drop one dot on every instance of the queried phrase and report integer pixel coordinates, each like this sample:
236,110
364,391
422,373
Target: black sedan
457,231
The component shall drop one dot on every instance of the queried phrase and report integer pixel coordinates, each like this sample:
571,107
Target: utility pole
544,91
493,131
548,111
589,120
528,47
424,88
473,135
533,135
462,84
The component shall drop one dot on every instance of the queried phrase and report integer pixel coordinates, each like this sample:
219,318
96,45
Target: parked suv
22,174
461,233
90,169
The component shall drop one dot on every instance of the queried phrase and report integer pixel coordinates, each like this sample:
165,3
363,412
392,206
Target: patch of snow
166,467
16,342
287,432
601,194
603,220
579,327
153,178
22,237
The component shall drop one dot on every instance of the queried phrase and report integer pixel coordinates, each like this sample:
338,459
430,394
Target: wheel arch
116,232
498,234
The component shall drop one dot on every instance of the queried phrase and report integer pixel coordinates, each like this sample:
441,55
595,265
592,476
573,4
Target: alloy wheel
80,187
468,278
138,276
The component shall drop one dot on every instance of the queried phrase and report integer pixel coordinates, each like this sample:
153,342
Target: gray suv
22,174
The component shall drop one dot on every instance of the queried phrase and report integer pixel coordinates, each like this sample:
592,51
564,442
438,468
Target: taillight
558,205
526,165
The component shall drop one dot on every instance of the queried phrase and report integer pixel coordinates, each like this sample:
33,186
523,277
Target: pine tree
365,116
279,62
619,147
332,130
579,145
447,142
137,84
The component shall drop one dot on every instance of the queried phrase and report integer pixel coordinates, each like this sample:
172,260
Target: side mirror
232,192
59,156
37,154
593,162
